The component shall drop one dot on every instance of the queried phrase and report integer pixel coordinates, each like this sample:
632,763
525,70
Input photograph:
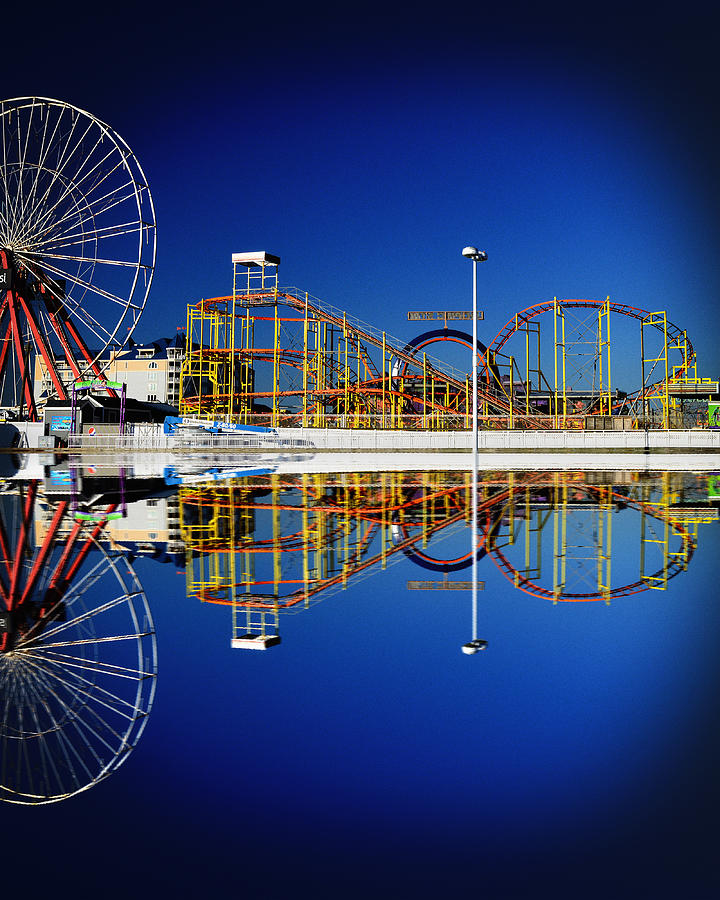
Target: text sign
60,423
443,585
5,279
445,315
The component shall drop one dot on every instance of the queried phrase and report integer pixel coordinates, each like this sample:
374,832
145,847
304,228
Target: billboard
444,315
60,422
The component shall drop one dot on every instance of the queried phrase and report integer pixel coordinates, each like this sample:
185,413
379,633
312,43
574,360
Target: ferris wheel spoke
88,690
72,717
46,756
93,640
21,155
93,666
44,683
45,147
94,260
73,756
108,698
5,210
85,285
72,623
90,729
4,162
73,218
9,691
21,174
74,185
63,161
95,234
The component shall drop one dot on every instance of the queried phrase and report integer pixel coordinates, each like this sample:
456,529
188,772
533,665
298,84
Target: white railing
304,439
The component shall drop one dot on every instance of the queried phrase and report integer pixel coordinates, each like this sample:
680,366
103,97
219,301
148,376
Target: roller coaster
277,356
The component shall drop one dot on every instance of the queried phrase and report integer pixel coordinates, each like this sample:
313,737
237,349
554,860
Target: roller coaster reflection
273,544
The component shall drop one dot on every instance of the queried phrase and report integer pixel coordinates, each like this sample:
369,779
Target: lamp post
474,645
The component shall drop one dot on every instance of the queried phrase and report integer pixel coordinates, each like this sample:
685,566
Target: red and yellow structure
278,356
271,544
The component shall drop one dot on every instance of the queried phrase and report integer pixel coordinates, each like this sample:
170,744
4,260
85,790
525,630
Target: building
151,372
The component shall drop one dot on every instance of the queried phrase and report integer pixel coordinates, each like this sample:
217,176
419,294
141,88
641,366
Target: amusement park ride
77,256
78,656
77,247
277,356
77,644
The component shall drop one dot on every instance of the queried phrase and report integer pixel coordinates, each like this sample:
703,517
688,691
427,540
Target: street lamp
476,256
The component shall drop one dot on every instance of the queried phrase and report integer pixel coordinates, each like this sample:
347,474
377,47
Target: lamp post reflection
475,644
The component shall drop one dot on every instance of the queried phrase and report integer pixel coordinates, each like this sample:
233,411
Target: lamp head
474,254
474,646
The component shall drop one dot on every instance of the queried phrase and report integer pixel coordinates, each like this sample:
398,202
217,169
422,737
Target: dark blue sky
367,146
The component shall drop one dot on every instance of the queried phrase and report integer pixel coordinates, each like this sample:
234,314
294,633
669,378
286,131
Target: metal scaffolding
278,356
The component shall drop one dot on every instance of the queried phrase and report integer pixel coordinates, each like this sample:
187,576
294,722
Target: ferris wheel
77,247
78,659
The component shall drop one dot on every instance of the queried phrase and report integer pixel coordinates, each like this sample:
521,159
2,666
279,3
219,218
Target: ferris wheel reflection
78,657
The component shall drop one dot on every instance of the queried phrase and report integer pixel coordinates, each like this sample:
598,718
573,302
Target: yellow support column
305,364
559,315
604,344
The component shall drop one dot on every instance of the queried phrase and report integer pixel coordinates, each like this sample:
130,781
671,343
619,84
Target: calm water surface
249,680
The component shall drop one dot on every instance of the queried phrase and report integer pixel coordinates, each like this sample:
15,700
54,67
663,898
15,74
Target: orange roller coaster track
276,356
342,368
673,338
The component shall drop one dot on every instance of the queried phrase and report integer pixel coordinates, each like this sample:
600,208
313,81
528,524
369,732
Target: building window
152,396
152,365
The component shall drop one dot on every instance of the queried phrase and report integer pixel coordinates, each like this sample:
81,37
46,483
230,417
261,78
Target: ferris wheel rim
72,188
77,686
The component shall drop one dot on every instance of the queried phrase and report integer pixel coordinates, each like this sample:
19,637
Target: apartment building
151,372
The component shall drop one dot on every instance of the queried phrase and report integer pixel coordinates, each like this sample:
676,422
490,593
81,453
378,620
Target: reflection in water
272,544
78,654
78,657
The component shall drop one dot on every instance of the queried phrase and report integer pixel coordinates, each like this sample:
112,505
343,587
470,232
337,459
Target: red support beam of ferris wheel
17,564
5,547
43,348
7,340
62,562
62,324
77,562
4,550
42,555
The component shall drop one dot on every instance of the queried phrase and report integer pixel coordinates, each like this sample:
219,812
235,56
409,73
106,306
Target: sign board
5,279
445,315
714,414
98,384
443,585
60,422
